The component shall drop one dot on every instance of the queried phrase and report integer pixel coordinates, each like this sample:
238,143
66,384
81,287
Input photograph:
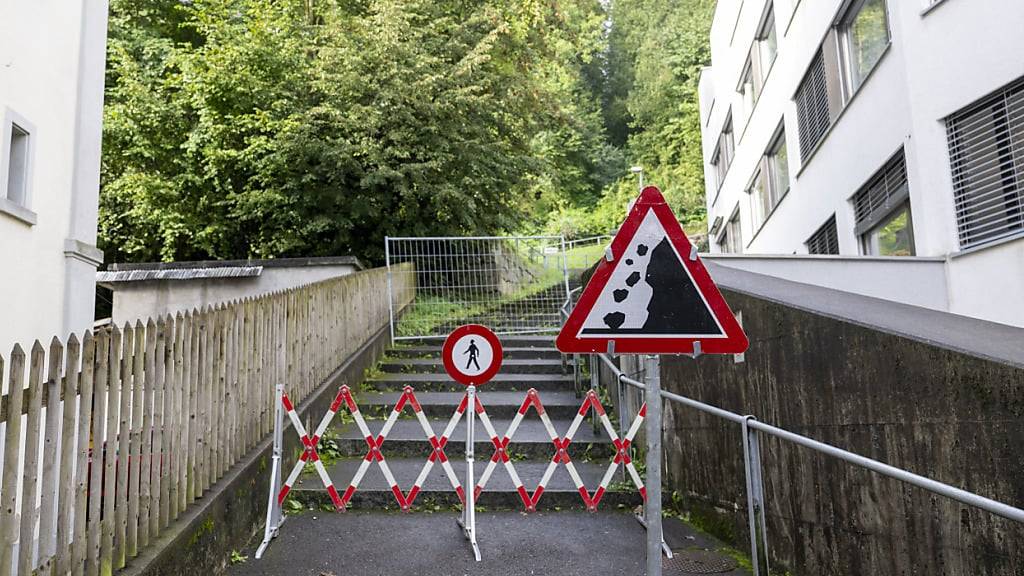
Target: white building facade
872,128
52,57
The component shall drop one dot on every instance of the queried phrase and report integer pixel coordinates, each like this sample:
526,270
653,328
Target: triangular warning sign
654,296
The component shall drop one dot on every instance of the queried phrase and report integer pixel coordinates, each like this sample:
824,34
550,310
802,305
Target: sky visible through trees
276,128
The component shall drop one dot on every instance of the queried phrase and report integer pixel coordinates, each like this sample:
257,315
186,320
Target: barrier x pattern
500,456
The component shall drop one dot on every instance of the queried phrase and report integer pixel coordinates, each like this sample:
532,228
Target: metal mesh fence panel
511,284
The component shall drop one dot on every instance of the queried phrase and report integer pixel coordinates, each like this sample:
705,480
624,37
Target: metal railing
750,428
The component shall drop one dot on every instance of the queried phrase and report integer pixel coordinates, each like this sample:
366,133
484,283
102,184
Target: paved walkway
512,543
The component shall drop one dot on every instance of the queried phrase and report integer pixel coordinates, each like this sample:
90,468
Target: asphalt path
512,543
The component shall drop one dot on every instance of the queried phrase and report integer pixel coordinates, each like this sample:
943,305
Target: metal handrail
750,423
970,498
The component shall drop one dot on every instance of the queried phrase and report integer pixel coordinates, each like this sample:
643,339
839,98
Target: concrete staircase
529,362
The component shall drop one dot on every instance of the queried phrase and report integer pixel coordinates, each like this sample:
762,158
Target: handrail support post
756,522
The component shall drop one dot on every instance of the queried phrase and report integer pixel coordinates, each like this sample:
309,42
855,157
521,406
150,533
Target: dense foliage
268,128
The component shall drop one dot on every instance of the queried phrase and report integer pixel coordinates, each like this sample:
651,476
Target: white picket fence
160,412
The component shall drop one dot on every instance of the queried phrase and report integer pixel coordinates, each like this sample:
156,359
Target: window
770,182
986,150
759,64
731,240
777,161
767,42
814,115
723,153
760,199
882,211
894,236
850,51
17,166
864,31
825,240
749,90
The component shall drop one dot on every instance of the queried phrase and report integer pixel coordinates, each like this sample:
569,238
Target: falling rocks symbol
675,305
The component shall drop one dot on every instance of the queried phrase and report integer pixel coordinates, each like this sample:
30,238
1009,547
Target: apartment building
52,56
873,130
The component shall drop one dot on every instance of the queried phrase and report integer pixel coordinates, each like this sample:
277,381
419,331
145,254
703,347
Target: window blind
886,190
825,240
812,105
986,150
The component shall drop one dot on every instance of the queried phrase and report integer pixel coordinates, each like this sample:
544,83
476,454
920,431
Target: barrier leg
274,515
755,500
468,519
643,522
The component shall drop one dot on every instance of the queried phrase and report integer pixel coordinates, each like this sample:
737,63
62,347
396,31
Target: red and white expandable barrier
561,450
374,454
500,456
309,452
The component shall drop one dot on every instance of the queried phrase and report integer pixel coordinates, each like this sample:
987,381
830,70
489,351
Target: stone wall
950,415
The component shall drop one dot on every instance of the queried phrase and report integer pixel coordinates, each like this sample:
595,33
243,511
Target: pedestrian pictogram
652,294
472,354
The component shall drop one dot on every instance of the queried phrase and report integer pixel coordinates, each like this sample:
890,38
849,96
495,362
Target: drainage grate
685,562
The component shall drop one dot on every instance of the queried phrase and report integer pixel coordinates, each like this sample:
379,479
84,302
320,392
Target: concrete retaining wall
911,402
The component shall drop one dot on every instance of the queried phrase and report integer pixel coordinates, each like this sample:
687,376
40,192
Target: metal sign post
652,508
651,294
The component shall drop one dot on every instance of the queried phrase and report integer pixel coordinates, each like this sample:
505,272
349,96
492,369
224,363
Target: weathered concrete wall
149,299
948,415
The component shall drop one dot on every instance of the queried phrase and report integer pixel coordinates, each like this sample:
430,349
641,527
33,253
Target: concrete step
510,353
500,493
531,440
498,404
508,366
443,383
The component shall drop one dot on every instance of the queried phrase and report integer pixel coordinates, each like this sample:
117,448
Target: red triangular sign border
735,340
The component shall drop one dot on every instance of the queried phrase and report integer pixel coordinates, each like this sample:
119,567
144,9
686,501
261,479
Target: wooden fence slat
9,513
165,429
156,473
68,455
79,537
203,424
235,396
110,453
207,395
249,349
261,363
216,440
193,402
124,454
30,475
146,456
95,464
136,468
177,465
51,458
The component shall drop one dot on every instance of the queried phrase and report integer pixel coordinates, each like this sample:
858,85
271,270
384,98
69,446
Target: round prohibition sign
472,354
